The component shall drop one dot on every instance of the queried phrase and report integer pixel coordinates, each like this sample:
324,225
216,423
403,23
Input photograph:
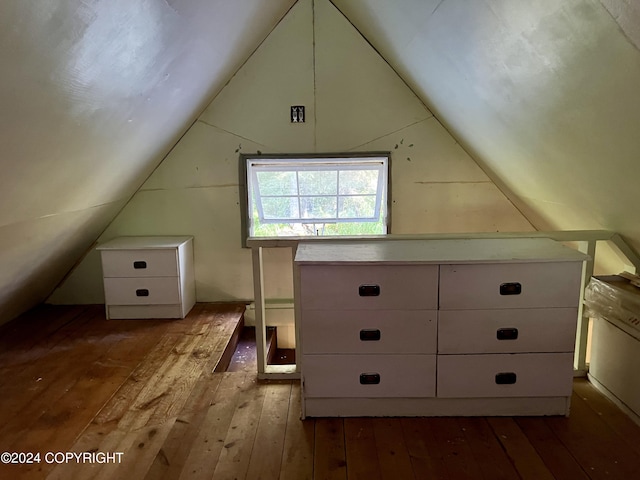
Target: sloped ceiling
544,95
94,94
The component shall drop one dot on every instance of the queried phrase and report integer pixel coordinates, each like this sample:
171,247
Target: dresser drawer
371,331
142,291
369,287
369,375
515,285
507,330
515,375
140,263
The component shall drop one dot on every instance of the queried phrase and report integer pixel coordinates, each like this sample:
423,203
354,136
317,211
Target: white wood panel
425,205
204,157
96,95
26,280
359,97
448,407
255,103
337,287
144,311
537,375
339,375
438,251
476,331
491,56
478,286
187,276
123,291
157,263
73,138
144,242
338,331
434,158
615,360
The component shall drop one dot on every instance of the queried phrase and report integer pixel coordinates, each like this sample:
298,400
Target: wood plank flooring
146,392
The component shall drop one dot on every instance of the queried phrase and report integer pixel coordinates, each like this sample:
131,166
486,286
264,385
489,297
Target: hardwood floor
146,393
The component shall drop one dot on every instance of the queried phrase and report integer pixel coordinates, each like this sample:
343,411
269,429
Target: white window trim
251,164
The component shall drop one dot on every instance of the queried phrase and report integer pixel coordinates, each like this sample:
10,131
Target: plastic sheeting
614,299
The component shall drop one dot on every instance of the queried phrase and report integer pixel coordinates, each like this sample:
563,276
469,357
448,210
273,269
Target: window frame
244,190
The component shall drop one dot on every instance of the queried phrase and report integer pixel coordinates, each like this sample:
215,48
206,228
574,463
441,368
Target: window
316,195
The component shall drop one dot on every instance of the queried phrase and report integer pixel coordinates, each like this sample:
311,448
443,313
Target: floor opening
245,358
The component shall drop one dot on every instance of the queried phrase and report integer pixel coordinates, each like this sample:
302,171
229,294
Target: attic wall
543,94
355,102
93,94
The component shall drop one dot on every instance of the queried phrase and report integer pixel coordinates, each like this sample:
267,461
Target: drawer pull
507,334
369,290
142,292
139,264
506,378
511,288
370,335
369,378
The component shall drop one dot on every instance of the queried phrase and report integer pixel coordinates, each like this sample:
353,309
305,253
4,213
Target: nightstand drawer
369,287
140,263
369,375
142,291
516,375
524,285
144,311
507,330
373,331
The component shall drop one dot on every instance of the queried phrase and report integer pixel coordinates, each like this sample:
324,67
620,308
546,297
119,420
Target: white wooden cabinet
437,327
148,277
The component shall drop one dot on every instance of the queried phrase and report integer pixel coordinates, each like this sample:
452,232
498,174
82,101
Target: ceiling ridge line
432,111
253,52
401,77
197,117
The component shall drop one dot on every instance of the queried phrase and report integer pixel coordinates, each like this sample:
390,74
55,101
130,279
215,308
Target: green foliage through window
317,196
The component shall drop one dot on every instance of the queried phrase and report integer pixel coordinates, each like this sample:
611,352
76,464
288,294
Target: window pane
357,207
355,228
318,207
280,208
277,183
317,196
359,182
320,182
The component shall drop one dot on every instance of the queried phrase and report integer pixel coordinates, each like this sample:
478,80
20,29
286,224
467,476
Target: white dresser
148,277
437,327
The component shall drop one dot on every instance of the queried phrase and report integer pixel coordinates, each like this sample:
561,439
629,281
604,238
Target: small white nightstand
148,277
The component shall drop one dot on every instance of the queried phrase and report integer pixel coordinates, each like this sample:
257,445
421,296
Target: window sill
293,241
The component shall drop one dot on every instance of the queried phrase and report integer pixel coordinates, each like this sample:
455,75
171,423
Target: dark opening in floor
245,359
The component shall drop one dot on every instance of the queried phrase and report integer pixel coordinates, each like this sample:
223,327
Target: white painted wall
93,94
544,94
355,102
